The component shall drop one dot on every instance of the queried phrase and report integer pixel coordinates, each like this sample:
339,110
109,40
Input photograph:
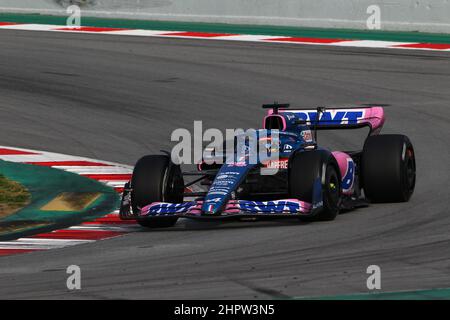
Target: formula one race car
309,182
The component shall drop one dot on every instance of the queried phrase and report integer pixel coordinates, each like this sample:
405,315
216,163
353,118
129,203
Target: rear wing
336,118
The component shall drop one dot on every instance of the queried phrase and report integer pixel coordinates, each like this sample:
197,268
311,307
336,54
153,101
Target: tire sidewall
312,165
153,180
384,168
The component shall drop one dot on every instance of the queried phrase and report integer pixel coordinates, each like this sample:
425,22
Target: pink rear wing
339,118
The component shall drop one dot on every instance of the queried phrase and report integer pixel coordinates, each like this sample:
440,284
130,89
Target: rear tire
305,168
156,179
388,168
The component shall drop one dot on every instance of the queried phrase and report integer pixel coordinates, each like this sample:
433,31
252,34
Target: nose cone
212,208
227,180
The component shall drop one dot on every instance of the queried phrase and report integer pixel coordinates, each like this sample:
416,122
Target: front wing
233,208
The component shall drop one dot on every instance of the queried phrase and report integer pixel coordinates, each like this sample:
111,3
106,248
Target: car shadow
198,225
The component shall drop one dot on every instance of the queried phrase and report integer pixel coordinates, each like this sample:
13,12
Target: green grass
12,196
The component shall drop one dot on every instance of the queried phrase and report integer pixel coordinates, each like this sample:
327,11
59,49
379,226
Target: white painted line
369,44
108,227
249,37
94,170
141,32
41,244
29,27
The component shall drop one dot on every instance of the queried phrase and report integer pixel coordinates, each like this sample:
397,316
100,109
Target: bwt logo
333,117
162,208
277,206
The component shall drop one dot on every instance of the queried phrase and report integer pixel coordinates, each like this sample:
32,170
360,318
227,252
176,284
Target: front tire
305,168
156,179
388,168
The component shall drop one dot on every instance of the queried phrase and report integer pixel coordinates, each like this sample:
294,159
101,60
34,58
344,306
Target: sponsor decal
221,193
282,163
168,208
276,206
224,183
227,175
237,164
287,148
333,117
290,117
317,204
257,207
347,180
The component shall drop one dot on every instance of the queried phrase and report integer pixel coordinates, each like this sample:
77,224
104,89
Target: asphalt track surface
117,98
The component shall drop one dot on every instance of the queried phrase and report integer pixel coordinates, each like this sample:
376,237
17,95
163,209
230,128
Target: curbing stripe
108,177
10,152
88,29
105,227
9,252
69,164
83,234
429,46
306,40
232,37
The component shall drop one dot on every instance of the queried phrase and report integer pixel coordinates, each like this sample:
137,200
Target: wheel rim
174,187
409,172
332,187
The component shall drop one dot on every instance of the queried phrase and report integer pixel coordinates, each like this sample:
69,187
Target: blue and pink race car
307,181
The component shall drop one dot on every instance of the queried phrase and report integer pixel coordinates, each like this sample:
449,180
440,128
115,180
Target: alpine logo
287,148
